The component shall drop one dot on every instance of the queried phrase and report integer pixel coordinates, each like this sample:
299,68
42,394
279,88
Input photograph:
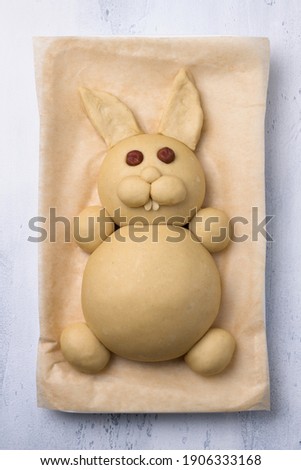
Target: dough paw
211,227
82,349
212,354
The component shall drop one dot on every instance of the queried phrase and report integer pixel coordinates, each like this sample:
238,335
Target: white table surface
22,424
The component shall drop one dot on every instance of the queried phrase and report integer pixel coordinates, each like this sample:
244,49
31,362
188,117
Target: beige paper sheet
231,75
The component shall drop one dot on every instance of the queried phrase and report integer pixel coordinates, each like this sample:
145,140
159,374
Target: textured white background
22,424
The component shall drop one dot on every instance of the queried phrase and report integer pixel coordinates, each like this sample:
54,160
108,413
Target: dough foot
82,349
212,353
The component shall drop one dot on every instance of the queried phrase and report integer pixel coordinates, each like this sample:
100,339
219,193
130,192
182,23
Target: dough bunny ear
183,116
111,118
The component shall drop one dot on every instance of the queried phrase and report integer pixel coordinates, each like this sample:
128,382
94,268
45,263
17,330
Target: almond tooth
155,206
148,205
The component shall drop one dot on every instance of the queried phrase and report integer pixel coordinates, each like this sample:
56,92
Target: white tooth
155,206
148,205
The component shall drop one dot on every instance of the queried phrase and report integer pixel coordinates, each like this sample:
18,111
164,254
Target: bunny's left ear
183,115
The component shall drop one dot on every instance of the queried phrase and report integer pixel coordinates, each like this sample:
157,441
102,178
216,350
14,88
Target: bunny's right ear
183,116
111,118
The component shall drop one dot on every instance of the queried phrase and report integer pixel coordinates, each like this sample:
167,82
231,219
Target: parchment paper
231,75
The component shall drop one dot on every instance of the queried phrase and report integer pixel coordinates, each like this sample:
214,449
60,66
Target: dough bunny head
152,178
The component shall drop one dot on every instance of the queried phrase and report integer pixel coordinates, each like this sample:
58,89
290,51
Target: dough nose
150,174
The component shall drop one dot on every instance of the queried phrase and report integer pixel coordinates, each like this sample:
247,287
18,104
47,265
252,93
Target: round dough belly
150,296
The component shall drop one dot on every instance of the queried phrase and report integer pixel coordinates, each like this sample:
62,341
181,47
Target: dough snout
136,191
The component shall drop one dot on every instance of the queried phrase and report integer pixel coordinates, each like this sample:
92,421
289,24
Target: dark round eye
166,155
134,157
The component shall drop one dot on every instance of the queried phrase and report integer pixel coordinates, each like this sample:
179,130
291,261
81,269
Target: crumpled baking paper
231,75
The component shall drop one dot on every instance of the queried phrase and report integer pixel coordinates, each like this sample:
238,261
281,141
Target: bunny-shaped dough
151,289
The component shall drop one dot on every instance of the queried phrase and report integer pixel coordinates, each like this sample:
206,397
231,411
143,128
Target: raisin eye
166,155
134,157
